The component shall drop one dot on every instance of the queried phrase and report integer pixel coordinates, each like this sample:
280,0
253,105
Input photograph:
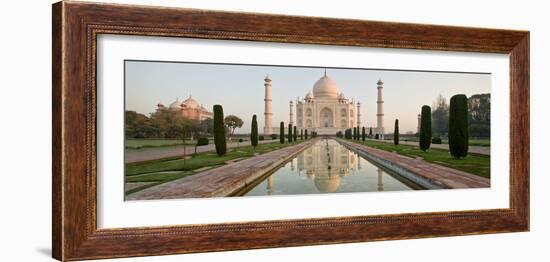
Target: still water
328,167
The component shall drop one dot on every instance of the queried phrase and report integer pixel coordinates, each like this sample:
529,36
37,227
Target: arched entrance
326,117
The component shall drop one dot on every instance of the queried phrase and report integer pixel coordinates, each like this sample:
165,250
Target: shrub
219,131
202,141
425,128
376,136
254,132
396,133
436,140
261,138
458,126
273,136
282,133
241,140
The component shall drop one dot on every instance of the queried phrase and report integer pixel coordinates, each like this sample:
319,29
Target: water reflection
328,167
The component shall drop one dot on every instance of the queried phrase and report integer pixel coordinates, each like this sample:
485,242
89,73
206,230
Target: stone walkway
222,181
478,150
132,156
442,176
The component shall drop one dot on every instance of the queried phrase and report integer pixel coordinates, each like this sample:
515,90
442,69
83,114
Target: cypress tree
370,132
458,126
425,128
301,134
295,133
282,133
254,132
219,131
290,133
305,134
354,133
363,133
396,132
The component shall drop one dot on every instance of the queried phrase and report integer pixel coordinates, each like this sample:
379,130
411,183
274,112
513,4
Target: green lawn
155,179
474,142
164,170
474,164
147,143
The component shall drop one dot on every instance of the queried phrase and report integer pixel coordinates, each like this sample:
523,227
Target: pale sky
240,89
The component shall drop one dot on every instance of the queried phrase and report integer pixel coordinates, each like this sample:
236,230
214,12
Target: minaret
380,111
358,114
268,113
291,121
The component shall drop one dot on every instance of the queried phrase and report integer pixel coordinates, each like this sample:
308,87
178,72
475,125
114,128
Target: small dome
191,103
160,104
175,104
326,87
341,96
309,95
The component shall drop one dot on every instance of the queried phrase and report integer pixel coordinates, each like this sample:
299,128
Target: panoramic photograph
201,130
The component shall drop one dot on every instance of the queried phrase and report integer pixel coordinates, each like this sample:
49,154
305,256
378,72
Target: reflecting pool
328,167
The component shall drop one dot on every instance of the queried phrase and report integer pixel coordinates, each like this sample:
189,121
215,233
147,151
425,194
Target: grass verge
165,170
474,164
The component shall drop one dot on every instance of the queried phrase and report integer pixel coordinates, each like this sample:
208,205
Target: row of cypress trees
292,133
355,133
219,132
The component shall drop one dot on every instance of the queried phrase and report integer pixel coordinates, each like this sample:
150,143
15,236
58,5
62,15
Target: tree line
171,125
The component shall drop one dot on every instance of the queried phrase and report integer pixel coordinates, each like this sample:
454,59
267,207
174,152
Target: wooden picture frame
76,26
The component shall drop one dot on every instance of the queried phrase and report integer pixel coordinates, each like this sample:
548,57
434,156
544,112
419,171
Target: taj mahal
324,109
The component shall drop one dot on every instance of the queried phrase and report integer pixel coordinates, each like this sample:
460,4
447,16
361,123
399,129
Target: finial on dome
380,81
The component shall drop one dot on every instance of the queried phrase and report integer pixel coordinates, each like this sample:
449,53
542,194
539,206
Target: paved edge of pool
428,175
225,180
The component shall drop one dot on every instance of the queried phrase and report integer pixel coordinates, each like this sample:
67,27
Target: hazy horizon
240,89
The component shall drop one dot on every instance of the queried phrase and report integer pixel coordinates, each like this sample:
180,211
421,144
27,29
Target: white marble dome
309,95
325,87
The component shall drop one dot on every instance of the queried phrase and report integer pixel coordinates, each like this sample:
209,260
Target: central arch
326,117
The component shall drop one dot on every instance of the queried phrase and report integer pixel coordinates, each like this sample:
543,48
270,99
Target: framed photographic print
182,130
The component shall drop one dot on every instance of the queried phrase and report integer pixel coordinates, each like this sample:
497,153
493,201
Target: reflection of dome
325,87
175,104
327,183
191,103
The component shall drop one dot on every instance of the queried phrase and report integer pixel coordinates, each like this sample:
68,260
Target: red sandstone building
189,108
